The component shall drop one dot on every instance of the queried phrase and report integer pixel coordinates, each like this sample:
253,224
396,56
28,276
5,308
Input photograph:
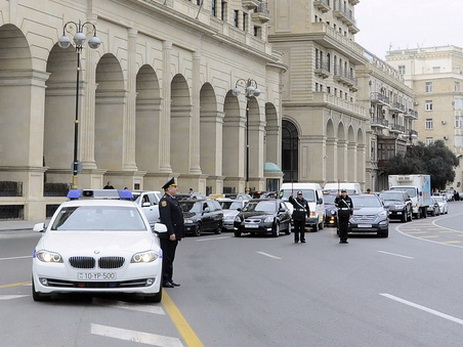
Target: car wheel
288,229
198,230
219,229
384,233
237,233
36,295
410,215
276,229
154,297
404,217
315,227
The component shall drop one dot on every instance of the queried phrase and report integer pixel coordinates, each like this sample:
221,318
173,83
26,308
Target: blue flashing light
74,194
125,194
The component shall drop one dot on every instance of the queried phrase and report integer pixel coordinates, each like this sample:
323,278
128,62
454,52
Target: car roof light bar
100,194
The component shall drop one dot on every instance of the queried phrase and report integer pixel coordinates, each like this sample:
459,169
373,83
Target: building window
456,86
458,122
402,69
429,140
290,151
245,21
428,105
436,69
224,11
428,123
428,87
214,8
257,31
458,104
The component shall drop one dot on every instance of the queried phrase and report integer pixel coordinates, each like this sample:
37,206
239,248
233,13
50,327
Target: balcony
322,5
397,107
412,114
396,128
345,77
379,123
322,69
344,14
251,4
333,102
354,2
261,13
378,98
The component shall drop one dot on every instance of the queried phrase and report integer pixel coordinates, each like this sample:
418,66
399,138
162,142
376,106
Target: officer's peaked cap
299,192
343,191
169,183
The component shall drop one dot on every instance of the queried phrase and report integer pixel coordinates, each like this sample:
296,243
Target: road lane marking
423,308
14,284
14,258
396,255
135,336
213,238
10,297
180,322
269,255
129,306
450,242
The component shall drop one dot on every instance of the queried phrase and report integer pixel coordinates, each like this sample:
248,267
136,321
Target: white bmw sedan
98,246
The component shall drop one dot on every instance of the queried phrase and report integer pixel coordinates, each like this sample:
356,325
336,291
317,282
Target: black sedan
263,216
201,215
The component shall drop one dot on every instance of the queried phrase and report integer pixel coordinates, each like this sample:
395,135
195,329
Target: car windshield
111,218
309,194
391,197
260,206
439,198
410,190
365,201
190,206
329,199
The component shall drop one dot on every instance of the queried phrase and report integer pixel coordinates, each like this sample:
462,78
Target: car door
149,207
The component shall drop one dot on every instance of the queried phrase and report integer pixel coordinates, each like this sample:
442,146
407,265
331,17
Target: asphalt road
262,291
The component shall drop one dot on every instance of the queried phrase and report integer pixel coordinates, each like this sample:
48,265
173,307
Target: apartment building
392,116
156,99
436,76
325,130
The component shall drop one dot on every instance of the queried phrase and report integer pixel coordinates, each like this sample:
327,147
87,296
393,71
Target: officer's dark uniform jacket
172,216
301,208
344,205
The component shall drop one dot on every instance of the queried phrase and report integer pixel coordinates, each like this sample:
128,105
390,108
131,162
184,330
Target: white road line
129,306
213,238
10,297
423,308
269,255
14,258
135,336
396,255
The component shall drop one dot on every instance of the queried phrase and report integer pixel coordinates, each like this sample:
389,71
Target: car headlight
268,219
229,218
382,214
189,221
333,212
144,257
238,219
49,257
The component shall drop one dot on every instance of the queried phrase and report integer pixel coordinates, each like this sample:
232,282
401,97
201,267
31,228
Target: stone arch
110,129
341,172
255,133
351,155
290,151
272,137
180,125
147,123
331,152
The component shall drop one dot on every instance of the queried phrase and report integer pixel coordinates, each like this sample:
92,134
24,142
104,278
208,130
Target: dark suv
398,203
201,215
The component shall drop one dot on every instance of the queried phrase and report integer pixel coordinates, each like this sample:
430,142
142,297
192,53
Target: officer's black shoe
296,241
303,241
175,284
168,285
343,241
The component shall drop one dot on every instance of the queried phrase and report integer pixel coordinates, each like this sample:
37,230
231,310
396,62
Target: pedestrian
108,185
301,212
171,215
368,191
345,210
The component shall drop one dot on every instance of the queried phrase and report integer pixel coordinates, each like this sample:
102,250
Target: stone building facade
155,98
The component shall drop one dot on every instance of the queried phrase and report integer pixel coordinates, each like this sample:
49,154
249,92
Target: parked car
443,205
369,215
201,215
230,209
263,216
149,203
331,211
433,209
95,245
398,203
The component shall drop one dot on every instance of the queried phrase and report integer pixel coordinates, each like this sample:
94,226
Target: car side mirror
320,201
160,228
146,204
40,227
207,210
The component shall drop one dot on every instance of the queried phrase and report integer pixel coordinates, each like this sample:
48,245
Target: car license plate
96,276
252,226
364,225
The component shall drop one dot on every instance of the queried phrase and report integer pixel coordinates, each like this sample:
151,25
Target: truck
419,189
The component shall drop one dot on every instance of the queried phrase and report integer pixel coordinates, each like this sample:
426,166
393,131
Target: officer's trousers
168,256
299,230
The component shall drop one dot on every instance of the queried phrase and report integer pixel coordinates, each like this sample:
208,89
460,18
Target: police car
98,242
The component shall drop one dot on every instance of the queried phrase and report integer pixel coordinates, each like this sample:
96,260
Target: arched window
290,152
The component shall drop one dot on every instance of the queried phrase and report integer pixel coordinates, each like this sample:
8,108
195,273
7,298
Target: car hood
230,213
189,214
367,211
256,214
78,242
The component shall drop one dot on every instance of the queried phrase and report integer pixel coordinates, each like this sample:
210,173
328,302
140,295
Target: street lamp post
250,89
79,40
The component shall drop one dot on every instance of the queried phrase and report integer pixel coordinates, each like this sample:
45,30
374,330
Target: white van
350,187
312,192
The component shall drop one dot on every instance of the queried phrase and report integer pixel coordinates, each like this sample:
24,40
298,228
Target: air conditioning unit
416,103
443,122
445,138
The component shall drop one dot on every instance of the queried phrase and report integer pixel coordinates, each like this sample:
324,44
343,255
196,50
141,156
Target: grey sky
400,24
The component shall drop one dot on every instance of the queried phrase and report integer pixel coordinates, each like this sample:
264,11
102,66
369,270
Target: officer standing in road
171,215
300,213
345,211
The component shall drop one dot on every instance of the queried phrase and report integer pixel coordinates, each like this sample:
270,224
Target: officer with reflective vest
301,212
345,210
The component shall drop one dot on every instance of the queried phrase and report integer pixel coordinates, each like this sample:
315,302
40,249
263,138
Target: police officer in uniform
301,211
345,210
172,216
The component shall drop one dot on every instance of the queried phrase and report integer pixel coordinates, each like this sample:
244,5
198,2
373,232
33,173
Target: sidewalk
12,225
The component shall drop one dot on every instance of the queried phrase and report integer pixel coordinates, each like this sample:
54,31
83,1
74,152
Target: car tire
237,233
154,297
276,229
384,233
198,230
315,227
36,295
288,229
218,230
404,218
